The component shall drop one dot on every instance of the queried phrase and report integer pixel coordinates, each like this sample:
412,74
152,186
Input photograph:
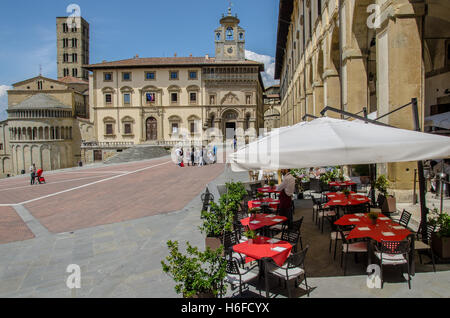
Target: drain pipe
341,47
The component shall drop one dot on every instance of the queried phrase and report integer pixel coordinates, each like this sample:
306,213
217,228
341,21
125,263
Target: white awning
333,142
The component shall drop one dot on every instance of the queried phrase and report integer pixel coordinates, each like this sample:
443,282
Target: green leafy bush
442,223
195,272
382,185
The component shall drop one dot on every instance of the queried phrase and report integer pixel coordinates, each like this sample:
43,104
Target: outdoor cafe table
268,190
261,248
340,199
260,221
269,202
384,230
341,184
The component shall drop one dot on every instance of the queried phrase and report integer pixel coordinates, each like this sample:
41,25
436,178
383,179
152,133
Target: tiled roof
72,80
168,61
41,101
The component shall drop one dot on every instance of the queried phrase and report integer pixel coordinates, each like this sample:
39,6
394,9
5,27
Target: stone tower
73,47
230,39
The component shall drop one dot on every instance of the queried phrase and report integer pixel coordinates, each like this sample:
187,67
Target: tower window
230,34
218,36
39,84
241,36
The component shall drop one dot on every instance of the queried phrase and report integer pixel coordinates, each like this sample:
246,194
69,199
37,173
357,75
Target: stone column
318,99
399,80
355,84
332,91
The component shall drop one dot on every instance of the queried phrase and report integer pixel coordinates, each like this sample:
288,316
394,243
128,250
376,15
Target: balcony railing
111,144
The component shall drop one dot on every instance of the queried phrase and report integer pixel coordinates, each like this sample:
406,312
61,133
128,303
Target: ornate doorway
152,126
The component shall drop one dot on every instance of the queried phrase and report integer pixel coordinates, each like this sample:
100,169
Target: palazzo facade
164,100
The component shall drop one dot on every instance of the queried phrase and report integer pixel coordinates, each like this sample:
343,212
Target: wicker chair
393,253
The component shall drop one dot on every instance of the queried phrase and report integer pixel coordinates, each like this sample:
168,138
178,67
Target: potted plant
216,220
260,195
346,192
440,239
253,212
271,183
197,274
250,235
373,217
387,202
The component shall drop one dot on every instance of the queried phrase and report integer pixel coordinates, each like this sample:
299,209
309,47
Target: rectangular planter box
441,246
389,205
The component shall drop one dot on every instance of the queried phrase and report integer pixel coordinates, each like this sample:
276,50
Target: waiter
286,188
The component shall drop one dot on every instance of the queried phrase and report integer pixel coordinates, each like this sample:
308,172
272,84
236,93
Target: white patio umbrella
333,142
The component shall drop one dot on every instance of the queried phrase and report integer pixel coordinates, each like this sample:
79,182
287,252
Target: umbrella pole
422,190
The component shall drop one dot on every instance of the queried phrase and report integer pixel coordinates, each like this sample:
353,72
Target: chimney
207,57
137,56
190,55
175,55
104,61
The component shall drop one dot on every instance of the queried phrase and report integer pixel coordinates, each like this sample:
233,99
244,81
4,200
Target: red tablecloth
341,183
261,220
257,203
385,229
268,189
343,200
262,247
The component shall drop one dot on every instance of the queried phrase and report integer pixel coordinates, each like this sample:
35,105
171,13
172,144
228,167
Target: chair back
290,236
296,225
297,259
430,230
359,208
232,265
394,247
404,218
229,239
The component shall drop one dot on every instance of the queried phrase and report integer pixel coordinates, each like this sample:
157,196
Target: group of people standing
199,156
34,175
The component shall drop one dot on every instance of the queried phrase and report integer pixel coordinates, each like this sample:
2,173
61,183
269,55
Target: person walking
33,173
193,156
201,158
286,188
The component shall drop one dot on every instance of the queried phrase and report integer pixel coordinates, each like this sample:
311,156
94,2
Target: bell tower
230,39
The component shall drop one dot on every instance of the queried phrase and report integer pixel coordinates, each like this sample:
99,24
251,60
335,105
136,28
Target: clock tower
230,39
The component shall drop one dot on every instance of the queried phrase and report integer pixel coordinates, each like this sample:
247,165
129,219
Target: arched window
230,34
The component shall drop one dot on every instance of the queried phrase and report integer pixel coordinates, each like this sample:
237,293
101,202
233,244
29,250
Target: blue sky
121,29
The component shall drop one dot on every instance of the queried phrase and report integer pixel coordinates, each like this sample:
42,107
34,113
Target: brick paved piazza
114,221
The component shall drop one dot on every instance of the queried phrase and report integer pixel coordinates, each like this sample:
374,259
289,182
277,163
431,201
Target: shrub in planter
216,221
197,274
388,202
441,238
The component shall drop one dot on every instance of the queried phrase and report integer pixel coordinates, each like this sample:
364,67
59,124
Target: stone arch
46,158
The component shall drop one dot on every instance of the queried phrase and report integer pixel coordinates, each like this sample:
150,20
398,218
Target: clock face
229,50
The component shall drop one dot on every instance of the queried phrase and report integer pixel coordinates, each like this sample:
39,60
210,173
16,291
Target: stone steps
138,153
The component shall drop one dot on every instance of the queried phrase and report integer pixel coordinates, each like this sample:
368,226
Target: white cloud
269,66
4,101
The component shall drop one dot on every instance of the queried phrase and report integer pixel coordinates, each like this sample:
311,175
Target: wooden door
152,127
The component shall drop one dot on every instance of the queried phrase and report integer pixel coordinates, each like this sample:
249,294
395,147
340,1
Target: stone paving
123,259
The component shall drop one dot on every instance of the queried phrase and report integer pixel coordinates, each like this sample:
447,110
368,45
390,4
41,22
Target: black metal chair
422,244
404,218
293,268
393,253
336,236
350,247
229,239
359,208
239,277
291,236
